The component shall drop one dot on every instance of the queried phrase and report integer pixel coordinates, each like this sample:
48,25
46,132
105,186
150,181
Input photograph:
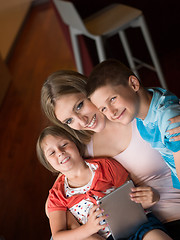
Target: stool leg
152,51
100,49
76,50
128,52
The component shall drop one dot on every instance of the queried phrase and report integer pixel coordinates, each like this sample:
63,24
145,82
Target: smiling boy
119,95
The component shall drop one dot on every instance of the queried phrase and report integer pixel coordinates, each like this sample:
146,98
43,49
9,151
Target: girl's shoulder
59,182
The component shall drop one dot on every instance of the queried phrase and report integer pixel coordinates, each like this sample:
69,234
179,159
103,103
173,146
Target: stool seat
114,19
107,21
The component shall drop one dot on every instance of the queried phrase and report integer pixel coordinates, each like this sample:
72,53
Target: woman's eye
103,109
79,106
68,121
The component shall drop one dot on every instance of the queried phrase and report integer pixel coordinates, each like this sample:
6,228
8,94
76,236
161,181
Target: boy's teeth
92,122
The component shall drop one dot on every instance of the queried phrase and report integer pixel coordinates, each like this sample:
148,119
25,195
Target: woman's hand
95,217
147,196
175,130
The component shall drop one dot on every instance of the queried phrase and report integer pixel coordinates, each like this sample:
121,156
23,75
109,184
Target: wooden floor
40,50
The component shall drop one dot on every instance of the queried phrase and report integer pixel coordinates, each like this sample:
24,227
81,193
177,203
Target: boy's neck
145,101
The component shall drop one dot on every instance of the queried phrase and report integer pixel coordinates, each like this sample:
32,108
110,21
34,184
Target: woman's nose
83,120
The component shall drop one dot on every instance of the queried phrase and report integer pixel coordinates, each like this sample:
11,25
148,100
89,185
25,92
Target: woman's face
79,113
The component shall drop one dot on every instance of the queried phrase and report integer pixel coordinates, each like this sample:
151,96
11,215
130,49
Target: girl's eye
51,153
79,106
64,145
68,121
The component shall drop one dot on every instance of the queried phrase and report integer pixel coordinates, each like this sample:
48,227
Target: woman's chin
100,128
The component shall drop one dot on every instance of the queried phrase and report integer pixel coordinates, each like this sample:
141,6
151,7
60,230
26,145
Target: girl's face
79,113
61,153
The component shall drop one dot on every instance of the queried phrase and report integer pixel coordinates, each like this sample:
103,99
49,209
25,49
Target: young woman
63,99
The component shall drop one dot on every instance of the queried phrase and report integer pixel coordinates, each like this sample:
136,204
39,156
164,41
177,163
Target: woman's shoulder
89,149
104,162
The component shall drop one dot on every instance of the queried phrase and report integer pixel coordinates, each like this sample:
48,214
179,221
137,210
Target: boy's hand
94,219
147,196
175,130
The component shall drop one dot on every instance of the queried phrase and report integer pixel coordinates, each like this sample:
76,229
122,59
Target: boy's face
118,103
61,153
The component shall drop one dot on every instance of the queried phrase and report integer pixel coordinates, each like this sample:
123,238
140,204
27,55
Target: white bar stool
111,20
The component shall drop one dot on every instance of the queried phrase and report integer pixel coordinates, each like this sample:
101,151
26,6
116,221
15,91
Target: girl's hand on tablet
95,217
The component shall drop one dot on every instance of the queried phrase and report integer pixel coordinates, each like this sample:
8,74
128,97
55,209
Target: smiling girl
81,185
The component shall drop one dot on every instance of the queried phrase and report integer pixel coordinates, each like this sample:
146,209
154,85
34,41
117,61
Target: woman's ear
134,83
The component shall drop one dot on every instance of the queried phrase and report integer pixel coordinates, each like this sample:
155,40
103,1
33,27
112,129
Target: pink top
147,167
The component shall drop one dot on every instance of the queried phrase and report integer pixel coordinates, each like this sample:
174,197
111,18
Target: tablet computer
125,216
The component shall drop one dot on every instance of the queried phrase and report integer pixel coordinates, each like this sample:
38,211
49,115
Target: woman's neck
113,140
112,126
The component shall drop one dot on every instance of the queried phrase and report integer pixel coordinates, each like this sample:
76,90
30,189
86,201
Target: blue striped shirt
164,105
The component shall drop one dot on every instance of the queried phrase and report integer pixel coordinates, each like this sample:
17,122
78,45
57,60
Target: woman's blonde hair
56,132
58,84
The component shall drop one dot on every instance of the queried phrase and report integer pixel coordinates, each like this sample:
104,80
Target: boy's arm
177,163
59,226
169,113
167,124
175,130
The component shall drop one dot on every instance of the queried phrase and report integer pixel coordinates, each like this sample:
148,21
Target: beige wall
12,14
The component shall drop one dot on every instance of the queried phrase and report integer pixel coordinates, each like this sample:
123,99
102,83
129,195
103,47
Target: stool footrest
143,64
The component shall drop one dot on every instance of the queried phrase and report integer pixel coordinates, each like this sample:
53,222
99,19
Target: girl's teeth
67,158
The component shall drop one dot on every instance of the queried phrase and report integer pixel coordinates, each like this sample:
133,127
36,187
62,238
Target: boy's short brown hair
111,72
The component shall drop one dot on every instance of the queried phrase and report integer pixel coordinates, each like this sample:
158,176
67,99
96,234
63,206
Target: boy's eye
112,99
68,121
79,106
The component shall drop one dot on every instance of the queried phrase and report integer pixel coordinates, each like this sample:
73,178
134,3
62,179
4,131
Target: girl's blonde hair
56,132
58,84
